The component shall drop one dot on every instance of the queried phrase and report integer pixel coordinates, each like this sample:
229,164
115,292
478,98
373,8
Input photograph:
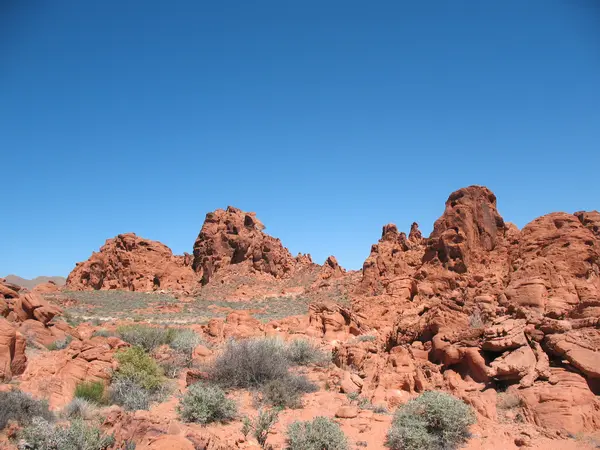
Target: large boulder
133,263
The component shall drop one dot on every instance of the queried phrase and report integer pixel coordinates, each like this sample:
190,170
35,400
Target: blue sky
327,118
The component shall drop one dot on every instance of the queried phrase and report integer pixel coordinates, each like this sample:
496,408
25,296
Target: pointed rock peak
233,236
415,234
389,232
332,262
470,225
304,258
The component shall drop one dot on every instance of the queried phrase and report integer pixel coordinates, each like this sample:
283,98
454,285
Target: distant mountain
30,284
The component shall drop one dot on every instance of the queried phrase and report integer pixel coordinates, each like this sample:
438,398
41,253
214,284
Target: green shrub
22,408
137,366
60,344
250,363
206,404
320,434
261,425
302,352
145,336
286,392
432,421
42,435
93,391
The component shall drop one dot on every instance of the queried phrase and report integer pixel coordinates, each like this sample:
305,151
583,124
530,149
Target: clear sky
327,118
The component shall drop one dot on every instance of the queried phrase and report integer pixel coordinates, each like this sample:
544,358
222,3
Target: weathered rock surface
132,263
234,237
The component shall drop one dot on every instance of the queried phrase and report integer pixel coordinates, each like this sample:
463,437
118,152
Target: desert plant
92,391
79,408
130,395
103,332
42,435
432,421
22,408
185,341
206,404
287,391
366,338
302,352
137,366
145,336
60,344
319,434
261,426
250,363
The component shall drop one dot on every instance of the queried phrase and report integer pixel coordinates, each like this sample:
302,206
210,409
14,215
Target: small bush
302,352
250,363
261,425
60,344
130,395
22,408
79,408
137,366
92,391
42,435
206,404
103,332
144,336
184,341
286,392
366,338
320,434
432,421
172,366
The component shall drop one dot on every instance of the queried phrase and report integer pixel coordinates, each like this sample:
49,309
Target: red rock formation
468,230
132,263
233,237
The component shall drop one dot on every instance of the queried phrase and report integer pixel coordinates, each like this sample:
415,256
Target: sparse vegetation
60,344
130,395
79,408
184,341
103,332
92,391
43,435
286,392
302,352
476,320
261,426
507,401
206,404
250,363
319,434
22,408
366,338
137,366
138,381
432,421
144,336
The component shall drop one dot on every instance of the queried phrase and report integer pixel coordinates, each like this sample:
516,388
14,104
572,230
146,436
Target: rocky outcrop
55,378
132,263
390,267
468,231
233,237
556,268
